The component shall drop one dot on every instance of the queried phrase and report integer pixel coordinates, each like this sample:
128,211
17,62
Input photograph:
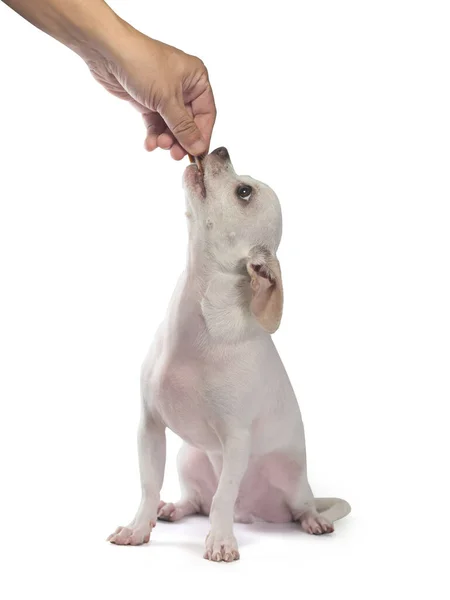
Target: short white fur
214,377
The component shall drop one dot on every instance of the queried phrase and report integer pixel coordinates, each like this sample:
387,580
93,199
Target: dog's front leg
220,542
152,458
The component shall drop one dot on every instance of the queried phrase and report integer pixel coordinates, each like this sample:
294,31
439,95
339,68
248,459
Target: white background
343,108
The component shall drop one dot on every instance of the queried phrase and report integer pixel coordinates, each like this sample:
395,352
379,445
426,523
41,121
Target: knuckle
202,66
184,126
198,61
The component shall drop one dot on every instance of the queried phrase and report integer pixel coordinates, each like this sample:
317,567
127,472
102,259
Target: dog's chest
179,392
199,378
196,393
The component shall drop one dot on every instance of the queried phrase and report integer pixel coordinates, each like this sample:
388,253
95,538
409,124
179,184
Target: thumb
183,127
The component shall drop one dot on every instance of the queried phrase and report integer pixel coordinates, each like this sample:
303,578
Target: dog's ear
267,290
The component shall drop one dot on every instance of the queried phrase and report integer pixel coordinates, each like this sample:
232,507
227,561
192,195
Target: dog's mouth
206,167
198,161
194,176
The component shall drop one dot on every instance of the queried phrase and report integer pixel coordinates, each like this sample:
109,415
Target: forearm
171,89
85,26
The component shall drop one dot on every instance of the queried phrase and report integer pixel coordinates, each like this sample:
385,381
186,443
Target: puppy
214,376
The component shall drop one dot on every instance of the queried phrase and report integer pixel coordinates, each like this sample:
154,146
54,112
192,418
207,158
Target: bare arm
171,89
83,25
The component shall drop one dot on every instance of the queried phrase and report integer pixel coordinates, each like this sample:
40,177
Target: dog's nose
222,153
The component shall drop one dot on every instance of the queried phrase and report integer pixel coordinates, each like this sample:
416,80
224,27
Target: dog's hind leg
304,508
169,511
197,482
288,473
315,515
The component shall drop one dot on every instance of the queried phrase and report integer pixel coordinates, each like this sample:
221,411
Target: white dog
214,376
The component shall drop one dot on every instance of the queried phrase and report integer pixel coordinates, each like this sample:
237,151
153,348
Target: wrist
113,39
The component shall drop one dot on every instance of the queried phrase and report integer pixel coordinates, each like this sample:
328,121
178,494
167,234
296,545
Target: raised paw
220,548
131,536
315,524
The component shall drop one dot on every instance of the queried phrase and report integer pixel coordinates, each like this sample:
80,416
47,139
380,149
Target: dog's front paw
221,548
131,536
315,524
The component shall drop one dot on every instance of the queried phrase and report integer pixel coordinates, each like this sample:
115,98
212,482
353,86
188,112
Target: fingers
182,121
155,127
184,128
165,141
160,136
177,152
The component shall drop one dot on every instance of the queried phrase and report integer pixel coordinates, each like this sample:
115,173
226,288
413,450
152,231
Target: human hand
169,88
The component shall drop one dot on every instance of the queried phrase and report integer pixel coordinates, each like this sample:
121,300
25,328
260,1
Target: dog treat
198,160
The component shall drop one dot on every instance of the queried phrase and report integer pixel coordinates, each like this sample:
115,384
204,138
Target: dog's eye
244,192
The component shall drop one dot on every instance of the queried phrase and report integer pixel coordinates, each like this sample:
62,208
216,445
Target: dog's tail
332,508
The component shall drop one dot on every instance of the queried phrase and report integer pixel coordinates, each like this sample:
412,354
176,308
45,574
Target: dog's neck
216,286
206,257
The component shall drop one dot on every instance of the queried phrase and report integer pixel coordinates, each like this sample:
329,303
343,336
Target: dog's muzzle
222,153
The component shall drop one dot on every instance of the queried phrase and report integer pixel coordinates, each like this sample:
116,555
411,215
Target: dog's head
236,221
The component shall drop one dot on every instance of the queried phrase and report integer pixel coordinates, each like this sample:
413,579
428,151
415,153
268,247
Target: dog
214,376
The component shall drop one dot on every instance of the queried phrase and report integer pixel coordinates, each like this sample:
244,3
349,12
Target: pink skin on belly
262,495
263,490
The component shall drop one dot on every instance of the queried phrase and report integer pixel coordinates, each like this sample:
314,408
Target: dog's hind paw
167,511
315,524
